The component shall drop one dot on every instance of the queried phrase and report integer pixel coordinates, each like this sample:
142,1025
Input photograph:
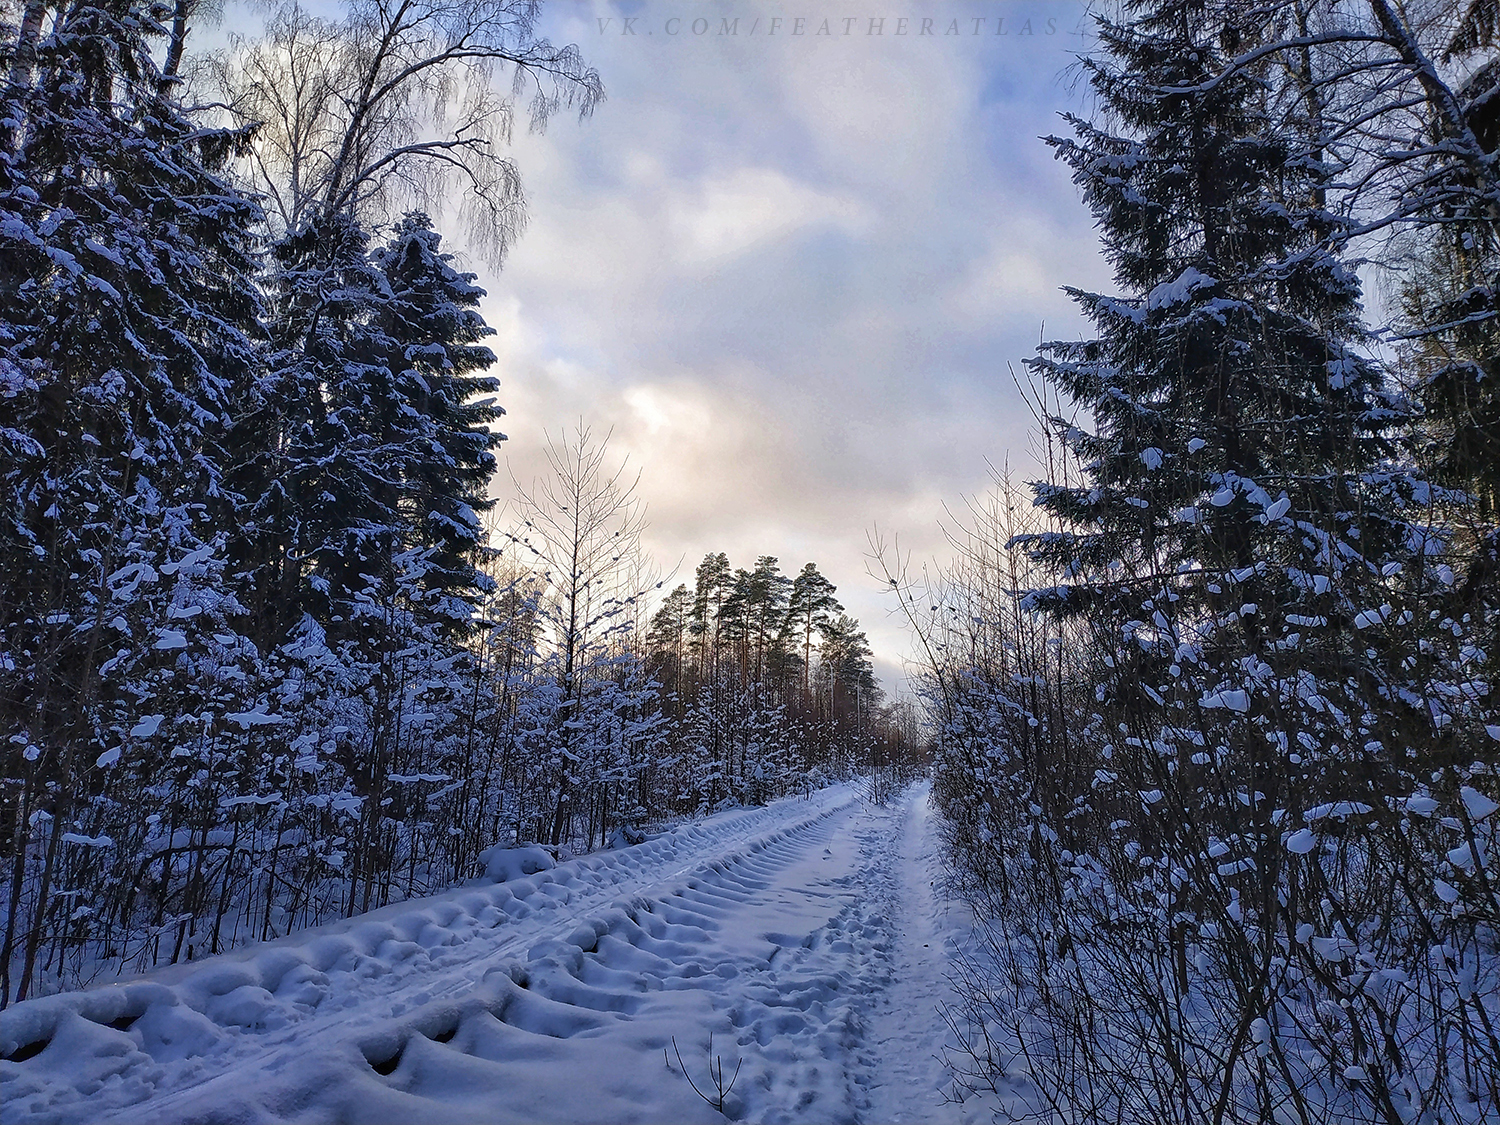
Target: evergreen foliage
751,695
130,311
262,661
1200,707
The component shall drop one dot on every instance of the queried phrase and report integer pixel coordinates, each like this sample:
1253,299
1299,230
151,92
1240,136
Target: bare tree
582,525
397,104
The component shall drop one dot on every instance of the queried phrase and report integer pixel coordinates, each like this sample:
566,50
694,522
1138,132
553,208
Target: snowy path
907,1032
805,937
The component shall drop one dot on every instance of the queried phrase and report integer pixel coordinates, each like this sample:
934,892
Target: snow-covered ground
807,938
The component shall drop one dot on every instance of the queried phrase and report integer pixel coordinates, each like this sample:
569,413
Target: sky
789,273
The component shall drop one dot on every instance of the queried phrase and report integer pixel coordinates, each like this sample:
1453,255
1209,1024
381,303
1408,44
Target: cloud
794,275
732,213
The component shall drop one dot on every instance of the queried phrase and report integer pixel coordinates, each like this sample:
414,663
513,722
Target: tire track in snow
79,1056
578,1031
779,939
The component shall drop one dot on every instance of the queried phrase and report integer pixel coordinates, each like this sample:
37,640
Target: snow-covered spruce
1190,737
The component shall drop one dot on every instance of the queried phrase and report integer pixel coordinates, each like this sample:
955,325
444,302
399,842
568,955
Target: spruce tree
129,309
1239,506
430,314
309,453
1451,324
1239,546
371,439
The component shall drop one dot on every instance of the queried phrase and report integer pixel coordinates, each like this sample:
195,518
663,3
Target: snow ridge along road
805,937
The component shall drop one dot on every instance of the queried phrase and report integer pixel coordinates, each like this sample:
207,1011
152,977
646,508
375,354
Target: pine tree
667,643
712,585
811,609
767,594
846,671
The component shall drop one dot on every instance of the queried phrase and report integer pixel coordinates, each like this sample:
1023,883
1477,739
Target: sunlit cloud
791,278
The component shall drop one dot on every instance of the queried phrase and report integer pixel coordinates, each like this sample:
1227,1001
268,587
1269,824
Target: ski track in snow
806,937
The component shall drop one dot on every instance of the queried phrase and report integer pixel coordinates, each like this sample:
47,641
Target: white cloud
791,276
729,214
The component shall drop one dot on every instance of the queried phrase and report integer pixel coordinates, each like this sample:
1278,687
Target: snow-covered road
806,938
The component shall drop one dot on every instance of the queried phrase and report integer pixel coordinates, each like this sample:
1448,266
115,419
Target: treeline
266,655
1218,724
765,677
748,687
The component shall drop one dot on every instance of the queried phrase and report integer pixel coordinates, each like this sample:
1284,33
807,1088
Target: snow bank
504,864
